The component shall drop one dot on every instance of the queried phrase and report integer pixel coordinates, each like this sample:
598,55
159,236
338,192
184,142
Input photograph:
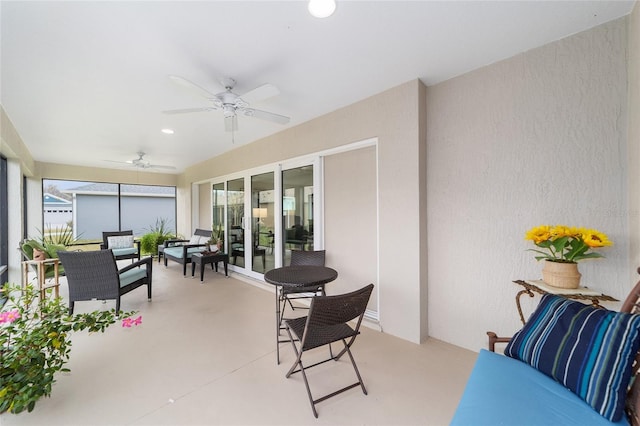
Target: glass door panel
297,210
262,220
235,221
217,219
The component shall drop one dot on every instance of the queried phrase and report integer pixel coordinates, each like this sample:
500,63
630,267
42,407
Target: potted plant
35,343
156,236
562,247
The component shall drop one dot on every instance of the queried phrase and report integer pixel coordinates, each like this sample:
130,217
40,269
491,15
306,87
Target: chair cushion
132,275
587,349
124,251
120,242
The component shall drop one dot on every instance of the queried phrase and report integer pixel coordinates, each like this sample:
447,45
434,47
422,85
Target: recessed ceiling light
167,131
322,8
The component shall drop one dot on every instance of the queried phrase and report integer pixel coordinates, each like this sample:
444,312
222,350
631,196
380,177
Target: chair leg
71,303
298,363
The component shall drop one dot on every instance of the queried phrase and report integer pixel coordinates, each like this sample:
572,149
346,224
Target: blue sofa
569,365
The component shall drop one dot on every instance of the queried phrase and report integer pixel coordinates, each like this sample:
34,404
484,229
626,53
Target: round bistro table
292,277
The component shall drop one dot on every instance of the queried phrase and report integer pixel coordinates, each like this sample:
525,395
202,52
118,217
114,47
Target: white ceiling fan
230,103
141,163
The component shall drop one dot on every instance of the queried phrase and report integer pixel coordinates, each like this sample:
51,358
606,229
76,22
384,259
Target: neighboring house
96,208
57,212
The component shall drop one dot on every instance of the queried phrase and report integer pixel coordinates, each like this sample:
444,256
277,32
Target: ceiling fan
141,163
230,103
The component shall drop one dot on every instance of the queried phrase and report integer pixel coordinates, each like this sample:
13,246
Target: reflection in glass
262,217
297,210
217,219
235,220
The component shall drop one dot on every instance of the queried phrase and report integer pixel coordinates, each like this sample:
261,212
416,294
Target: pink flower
128,322
9,316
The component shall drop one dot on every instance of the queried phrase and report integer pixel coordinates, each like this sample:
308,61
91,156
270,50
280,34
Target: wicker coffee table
212,259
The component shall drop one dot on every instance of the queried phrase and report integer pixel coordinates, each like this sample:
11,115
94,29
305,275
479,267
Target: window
4,221
89,208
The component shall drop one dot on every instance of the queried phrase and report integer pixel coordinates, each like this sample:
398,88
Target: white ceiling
84,82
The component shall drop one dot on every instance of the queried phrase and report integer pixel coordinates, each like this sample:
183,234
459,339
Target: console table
540,287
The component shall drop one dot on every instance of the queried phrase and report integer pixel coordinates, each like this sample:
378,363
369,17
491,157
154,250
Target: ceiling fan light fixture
322,8
229,111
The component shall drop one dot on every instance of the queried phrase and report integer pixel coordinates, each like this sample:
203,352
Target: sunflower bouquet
566,244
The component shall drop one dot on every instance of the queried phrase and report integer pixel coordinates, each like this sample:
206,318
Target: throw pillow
120,242
589,350
198,239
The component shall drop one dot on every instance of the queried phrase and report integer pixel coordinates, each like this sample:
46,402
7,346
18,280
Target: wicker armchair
327,323
95,275
120,253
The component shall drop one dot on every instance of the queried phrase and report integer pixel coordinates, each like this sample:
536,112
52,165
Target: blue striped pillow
587,349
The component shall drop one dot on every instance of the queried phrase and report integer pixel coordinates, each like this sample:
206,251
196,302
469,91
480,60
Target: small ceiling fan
230,103
141,163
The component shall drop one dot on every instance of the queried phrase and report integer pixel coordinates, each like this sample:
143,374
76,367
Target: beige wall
350,191
540,138
393,118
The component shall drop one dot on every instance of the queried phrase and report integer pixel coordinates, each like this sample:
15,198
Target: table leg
201,271
277,325
226,266
193,268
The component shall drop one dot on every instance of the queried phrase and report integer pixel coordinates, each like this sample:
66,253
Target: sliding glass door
297,210
263,214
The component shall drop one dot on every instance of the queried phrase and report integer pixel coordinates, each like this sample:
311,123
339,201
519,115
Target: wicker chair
95,275
121,253
301,258
326,324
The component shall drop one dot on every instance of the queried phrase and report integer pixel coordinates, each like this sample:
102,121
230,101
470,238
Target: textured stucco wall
539,138
634,139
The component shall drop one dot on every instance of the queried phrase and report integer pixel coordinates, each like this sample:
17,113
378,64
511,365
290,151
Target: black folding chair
301,258
327,323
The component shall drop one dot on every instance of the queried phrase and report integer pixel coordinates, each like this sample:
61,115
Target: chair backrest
333,310
308,258
106,235
203,232
91,274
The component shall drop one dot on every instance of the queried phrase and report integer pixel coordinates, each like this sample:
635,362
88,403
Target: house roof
86,82
125,190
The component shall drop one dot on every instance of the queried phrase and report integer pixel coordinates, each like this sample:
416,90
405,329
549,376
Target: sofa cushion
177,251
589,350
198,239
506,391
120,242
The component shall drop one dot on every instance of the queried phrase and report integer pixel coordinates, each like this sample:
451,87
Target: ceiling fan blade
260,93
264,115
189,110
159,166
231,124
192,86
